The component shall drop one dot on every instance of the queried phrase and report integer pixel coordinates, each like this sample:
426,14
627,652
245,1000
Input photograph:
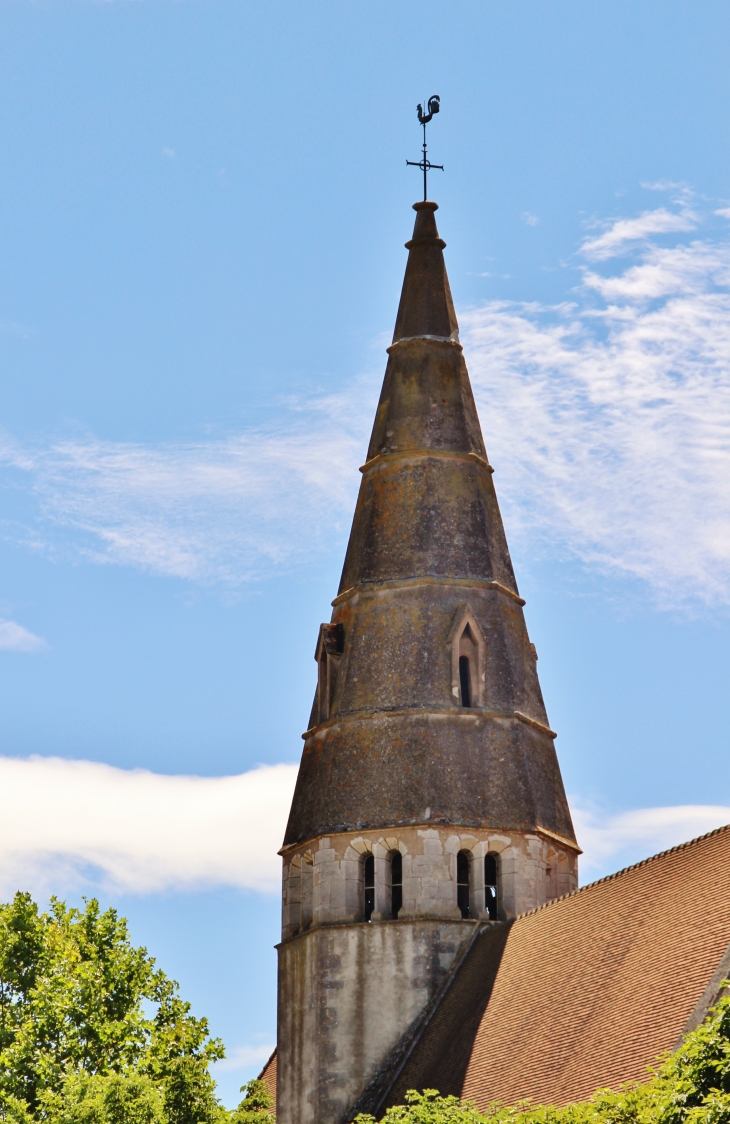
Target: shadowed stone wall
347,995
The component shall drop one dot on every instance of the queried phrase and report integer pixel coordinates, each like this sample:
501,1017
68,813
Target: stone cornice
451,341
462,922
553,835
364,588
534,722
456,714
383,459
483,829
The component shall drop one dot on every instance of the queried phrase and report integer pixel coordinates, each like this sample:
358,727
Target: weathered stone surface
532,869
347,995
427,516
393,769
392,738
428,750
426,307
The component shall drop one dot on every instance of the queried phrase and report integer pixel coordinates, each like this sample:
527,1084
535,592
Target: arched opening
468,660
491,872
465,680
468,663
396,883
462,882
368,868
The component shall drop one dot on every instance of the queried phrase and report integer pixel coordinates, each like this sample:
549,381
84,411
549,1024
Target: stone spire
426,307
429,800
427,579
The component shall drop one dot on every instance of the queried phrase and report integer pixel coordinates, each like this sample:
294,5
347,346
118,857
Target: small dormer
468,660
328,654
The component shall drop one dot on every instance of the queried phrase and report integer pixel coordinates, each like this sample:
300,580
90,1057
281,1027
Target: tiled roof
268,1076
585,992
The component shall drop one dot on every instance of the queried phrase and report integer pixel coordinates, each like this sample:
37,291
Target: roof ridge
625,870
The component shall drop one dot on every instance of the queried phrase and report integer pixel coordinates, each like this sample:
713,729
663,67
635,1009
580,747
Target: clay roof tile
589,990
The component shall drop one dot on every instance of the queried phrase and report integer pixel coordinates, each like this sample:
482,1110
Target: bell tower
429,800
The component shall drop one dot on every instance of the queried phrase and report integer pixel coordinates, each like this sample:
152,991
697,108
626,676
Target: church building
433,932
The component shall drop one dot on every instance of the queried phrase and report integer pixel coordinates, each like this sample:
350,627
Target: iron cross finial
434,105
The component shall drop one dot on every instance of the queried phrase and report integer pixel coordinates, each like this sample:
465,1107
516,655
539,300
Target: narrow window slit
396,883
369,879
462,882
468,656
465,680
490,886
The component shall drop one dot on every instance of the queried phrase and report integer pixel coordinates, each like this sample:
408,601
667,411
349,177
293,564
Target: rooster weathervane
434,105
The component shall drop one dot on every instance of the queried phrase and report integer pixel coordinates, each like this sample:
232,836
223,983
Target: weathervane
434,104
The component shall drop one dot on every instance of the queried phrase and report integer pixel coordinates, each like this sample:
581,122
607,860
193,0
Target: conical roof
427,559
426,307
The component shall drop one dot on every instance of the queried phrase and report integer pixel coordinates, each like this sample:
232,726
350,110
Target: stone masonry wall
323,881
347,996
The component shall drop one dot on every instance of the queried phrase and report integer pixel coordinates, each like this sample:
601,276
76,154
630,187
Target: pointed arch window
396,884
468,660
468,667
491,883
465,672
368,870
330,647
462,882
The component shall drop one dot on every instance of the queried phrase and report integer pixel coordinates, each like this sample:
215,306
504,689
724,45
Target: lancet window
468,660
491,882
368,869
396,883
465,680
462,882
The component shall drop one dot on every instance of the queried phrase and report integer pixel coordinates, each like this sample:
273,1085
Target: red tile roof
585,992
268,1076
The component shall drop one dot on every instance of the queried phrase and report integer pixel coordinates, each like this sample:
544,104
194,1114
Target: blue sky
202,219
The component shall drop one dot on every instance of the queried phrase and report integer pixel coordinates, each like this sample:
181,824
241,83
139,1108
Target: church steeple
393,743
429,792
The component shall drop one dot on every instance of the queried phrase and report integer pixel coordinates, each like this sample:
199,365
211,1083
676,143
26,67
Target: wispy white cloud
681,191
699,268
607,418
612,842
15,638
609,422
242,1057
621,232
70,824
211,511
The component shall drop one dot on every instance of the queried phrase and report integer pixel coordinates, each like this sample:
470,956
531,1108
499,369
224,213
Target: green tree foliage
91,1032
255,1108
691,1086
